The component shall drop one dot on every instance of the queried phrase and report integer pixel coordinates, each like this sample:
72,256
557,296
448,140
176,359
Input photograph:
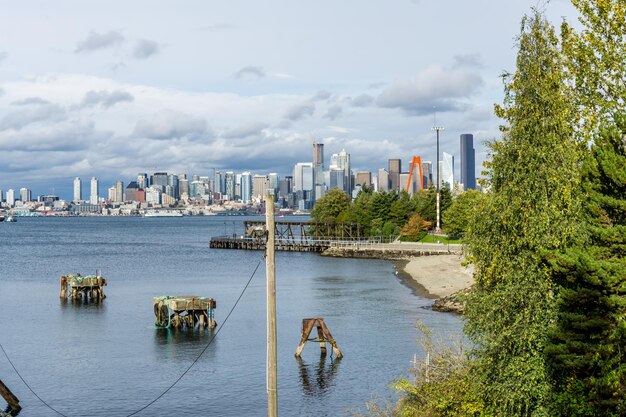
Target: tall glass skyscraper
468,167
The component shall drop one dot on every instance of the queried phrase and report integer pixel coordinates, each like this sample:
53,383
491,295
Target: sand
440,275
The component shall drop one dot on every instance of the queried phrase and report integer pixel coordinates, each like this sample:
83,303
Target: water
110,360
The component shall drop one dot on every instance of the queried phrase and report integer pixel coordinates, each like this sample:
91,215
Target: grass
441,239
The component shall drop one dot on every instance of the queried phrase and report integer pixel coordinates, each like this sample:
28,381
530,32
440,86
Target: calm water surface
110,360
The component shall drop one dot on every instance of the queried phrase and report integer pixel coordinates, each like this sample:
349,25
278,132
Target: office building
111,194
159,180
395,168
447,171
153,195
131,192
94,195
78,190
364,179
337,179
273,181
318,170
229,183
285,186
142,181
383,180
303,177
246,187
25,195
10,197
174,190
427,174
259,186
468,165
119,191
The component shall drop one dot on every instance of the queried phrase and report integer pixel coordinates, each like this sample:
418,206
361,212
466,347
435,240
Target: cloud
145,49
321,95
217,27
245,130
169,124
60,138
95,41
362,100
105,99
2,92
333,112
300,111
432,87
3,56
468,61
19,119
30,101
258,72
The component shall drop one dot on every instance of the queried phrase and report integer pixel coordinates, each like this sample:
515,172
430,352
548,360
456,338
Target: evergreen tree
586,348
532,208
331,206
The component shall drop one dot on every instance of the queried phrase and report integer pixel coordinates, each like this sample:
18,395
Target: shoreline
437,276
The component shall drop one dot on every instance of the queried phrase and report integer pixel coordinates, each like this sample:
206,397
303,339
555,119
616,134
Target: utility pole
438,228
270,267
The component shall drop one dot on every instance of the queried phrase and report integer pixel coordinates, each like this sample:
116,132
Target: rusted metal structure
83,288
14,404
184,311
323,336
290,236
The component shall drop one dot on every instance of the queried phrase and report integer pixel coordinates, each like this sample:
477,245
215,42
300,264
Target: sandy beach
440,275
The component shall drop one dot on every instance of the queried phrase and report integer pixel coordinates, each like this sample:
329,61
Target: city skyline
97,91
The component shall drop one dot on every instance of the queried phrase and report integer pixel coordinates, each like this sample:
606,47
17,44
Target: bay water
108,359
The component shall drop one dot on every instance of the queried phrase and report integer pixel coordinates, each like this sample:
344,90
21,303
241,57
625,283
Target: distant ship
10,219
163,213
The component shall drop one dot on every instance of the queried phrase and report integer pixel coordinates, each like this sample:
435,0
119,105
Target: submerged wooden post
63,293
323,336
14,403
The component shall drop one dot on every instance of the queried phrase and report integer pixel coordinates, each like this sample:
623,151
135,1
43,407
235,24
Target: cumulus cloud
105,99
245,130
468,61
28,101
3,56
321,95
145,49
217,27
333,112
168,124
435,86
258,72
95,41
299,111
59,138
2,92
19,119
362,100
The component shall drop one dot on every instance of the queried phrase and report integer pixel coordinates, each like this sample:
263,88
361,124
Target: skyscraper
246,187
159,180
25,195
259,185
383,180
10,197
468,168
303,177
318,170
94,196
343,162
142,181
229,180
119,191
395,168
78,190
427,174
447,170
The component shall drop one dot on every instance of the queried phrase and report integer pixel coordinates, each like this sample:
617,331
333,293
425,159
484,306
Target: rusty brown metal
323,336
10,398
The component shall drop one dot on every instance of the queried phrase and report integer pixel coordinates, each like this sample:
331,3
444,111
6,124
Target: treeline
547,314
388,213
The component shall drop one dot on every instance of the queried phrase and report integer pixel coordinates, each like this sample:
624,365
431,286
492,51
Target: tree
331,206
415,229
585,350
457,218
532,208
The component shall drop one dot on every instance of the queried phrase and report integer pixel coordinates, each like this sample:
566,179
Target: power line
174,383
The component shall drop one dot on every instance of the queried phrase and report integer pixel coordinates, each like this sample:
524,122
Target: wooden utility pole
272,392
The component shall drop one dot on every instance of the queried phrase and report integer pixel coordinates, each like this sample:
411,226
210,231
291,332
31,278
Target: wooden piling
83,288
10,398
323,336
184,311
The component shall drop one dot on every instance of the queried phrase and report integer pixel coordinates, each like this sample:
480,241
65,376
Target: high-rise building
273,181
383,180
303,177
229,182
1,196
111,194
246,187
337,179
142,181
172,181
364,179
153,195
318,170
259,185
25,195
285,186
131,192
94,195
78,190
10,197
183,185
159,180
218,182
468,164
395,168
343,162
119,191
427,174
447,171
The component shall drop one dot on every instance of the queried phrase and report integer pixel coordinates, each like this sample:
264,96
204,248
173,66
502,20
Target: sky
113,88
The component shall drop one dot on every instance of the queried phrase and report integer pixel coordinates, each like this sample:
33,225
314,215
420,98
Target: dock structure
14,407
83,288
290,236
323,336
184,311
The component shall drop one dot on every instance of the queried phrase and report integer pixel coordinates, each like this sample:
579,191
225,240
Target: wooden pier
289,236
83,288
184,311
14,407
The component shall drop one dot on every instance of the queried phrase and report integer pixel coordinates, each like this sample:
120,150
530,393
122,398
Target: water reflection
316,381
182,344
80,304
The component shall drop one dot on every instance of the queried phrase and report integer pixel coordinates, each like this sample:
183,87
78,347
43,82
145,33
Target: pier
83,288
184,311
290,236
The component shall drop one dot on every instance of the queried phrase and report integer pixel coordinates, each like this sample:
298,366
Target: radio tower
438,129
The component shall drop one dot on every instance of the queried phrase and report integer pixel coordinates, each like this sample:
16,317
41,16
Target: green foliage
585,350
331,206
425,202
532,208
457,218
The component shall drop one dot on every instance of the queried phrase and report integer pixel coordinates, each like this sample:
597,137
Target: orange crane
415,161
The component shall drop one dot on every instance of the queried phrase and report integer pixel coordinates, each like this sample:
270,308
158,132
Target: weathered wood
10,398
184,310
272,358
88,288
323,336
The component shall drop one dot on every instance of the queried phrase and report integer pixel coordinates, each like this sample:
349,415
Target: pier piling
323,336
14,404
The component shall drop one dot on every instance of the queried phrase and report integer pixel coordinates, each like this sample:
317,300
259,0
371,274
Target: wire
175,382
